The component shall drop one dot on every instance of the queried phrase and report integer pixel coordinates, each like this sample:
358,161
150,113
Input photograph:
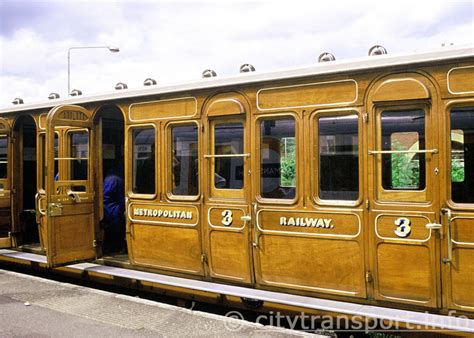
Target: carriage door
458,211
5,186
226,205
69,192
403,204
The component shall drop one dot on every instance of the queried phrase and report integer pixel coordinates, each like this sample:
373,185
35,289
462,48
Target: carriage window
143,166
229,143
462,155
3,156
79,153
338,158
184,161
403,134
278,158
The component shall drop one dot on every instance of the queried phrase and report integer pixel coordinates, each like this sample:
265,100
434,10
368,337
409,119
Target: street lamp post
110,48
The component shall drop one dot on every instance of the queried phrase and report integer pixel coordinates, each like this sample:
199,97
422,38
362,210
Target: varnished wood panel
165,247
320,265
405,273
229,252
228,106
385,227
462,278
308,95
163,109
461,80
400,89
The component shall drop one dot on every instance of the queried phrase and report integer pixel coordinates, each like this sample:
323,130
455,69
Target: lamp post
110,48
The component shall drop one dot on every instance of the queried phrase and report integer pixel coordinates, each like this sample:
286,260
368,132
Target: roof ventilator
326,57
209,73
120,86
17,100
149,82
53,96
377,50
247,68
76,92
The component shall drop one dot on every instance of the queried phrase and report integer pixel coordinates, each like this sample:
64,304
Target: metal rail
428,151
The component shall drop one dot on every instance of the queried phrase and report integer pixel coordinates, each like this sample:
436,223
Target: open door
69,187
5,186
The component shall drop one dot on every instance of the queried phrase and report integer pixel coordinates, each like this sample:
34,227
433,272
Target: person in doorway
114,208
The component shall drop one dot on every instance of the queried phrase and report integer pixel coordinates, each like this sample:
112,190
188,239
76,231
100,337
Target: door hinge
365,118
368,277
94,243
367,204
202,128
204,259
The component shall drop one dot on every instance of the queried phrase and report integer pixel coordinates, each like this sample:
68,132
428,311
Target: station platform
37,307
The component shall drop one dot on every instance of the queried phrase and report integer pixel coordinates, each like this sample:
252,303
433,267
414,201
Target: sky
175,41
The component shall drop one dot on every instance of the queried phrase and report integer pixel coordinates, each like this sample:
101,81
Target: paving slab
36,307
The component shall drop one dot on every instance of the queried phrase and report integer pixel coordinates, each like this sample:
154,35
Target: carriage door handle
246,218
448,259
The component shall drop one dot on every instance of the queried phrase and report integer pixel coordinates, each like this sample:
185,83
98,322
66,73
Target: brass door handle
448,259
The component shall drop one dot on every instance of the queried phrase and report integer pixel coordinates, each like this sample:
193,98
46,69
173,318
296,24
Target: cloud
176,41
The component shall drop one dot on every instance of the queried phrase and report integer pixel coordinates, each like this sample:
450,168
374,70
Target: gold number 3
227,217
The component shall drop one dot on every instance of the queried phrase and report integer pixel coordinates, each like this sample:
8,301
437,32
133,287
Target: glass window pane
462,155
3,156
403,130
143,167
80,151
228,171
185,160
338,158
278,158
457,156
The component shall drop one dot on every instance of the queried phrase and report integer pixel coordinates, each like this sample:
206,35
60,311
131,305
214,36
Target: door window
228,155
143,166
403,135
462,155
3,156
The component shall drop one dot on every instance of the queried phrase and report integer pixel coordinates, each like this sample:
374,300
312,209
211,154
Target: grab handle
448,259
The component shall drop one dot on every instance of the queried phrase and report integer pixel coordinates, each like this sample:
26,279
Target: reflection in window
80,152
278,158
457,156
403,131
43,159
143,167
229,171
462,155
3,156
185,160
338,158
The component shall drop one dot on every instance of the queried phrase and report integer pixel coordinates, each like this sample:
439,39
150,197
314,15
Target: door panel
404,213
226,204
70,218
458,218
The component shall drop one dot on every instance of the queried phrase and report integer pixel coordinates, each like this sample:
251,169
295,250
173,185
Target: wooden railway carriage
348,180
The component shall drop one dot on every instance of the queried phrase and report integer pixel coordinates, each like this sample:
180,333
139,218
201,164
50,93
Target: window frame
227,193
314,155
129,161
424,196
169,160
448,196
68,136
258,160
